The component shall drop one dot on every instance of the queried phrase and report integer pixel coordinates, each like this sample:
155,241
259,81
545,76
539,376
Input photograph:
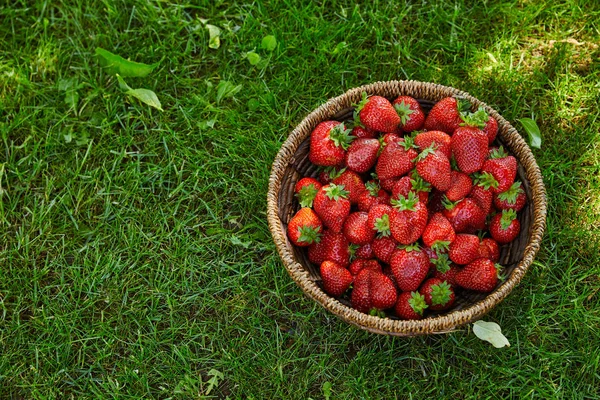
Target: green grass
134,251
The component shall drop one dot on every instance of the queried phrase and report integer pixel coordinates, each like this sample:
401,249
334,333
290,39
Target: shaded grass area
135,255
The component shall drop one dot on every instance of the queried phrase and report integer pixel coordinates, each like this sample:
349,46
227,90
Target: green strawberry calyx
408,143
382,225
419,184
429,150
373,188
409,247
341,136
454,164
498,153
463,105
508,216
336,192
404,111
498,272
510,196
485,180
417,302
403,203
449,205
332,172
363,102
440,293
440,245
352,249
356,120
377,313
477,119
309,234
442,263
306,195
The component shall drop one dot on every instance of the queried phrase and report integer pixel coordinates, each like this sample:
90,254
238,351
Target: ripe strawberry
410,267
336,279
361,132
432,255
388,184
386,138
328,143
464,249
379,219
503,168
353,183
377,113
362,154
305,227
436,202
316,251
408,219
445,115
438,233
396,159
328,174
445,270
357,230
469,147
505,226
384,247
490,129
480,275
373,290
461,186
306,189
442,140
334,247
332,206
434,167
413,183
364,252
373,195
488,248
482,197
358,265
438,294
410,305
410,112
465,216
514,198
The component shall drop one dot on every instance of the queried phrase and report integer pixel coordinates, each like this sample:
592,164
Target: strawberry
377,113
389,137
445,270
305,227
353,183
482,197
316,251
505,226
410,305
396,159
480,275
362,154
328,143
408,219
357,230
460,187
438,233
469,147
410,112
388,184
384,247
364,252
503,168
336,279
306,189
372,291
465,216
434,167
410,267
432,255
373,195
490,129
413,183
514,198
488,248
445,115
358,265
438,294
328,174
425,139
436,202
379,219
464,249
361,132
333,247
332,206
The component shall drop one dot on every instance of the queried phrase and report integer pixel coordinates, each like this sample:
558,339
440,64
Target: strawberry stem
486,180
341,136
510,196
477,119
403,111
417,303
498,153
406,203
336,192
508,216
440,293
306,195
442,263
309,234
382,225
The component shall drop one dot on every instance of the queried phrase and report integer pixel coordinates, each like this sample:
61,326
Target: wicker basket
292,163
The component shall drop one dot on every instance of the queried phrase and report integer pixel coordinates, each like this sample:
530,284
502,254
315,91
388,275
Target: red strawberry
438,233
461,186
332,206
438,294
396,159
481,275
305,227
490,129
388,184
469,147
353,183
465,216
436,203
328,143
362,154
514,198
505,226
336,279
373,195
361,132
411,114
408,219
445,115
357,230
334,247
364,252
358,265
413,183
482,197
434,167
410,267
410,305
425,139
464,249
377,113
386,138
446,271
488,248
328,174
384,247
316,251
306,189
432,255
379,219
503,168
373,290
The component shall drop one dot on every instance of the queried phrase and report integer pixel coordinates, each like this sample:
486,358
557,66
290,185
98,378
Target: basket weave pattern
292,163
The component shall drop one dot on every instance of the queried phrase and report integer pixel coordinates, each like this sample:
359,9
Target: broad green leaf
533,130
238,242
269,43
206,124
116,64
327,390
226,89
214,33
216,376
253,58
490,332
144,95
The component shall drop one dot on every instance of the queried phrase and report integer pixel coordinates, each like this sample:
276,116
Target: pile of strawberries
407,207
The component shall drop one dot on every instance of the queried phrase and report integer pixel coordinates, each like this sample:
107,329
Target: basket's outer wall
533,218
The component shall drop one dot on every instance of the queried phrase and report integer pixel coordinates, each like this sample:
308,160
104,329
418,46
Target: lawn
135,257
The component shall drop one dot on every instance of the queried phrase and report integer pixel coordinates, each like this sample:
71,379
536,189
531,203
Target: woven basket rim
435,324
